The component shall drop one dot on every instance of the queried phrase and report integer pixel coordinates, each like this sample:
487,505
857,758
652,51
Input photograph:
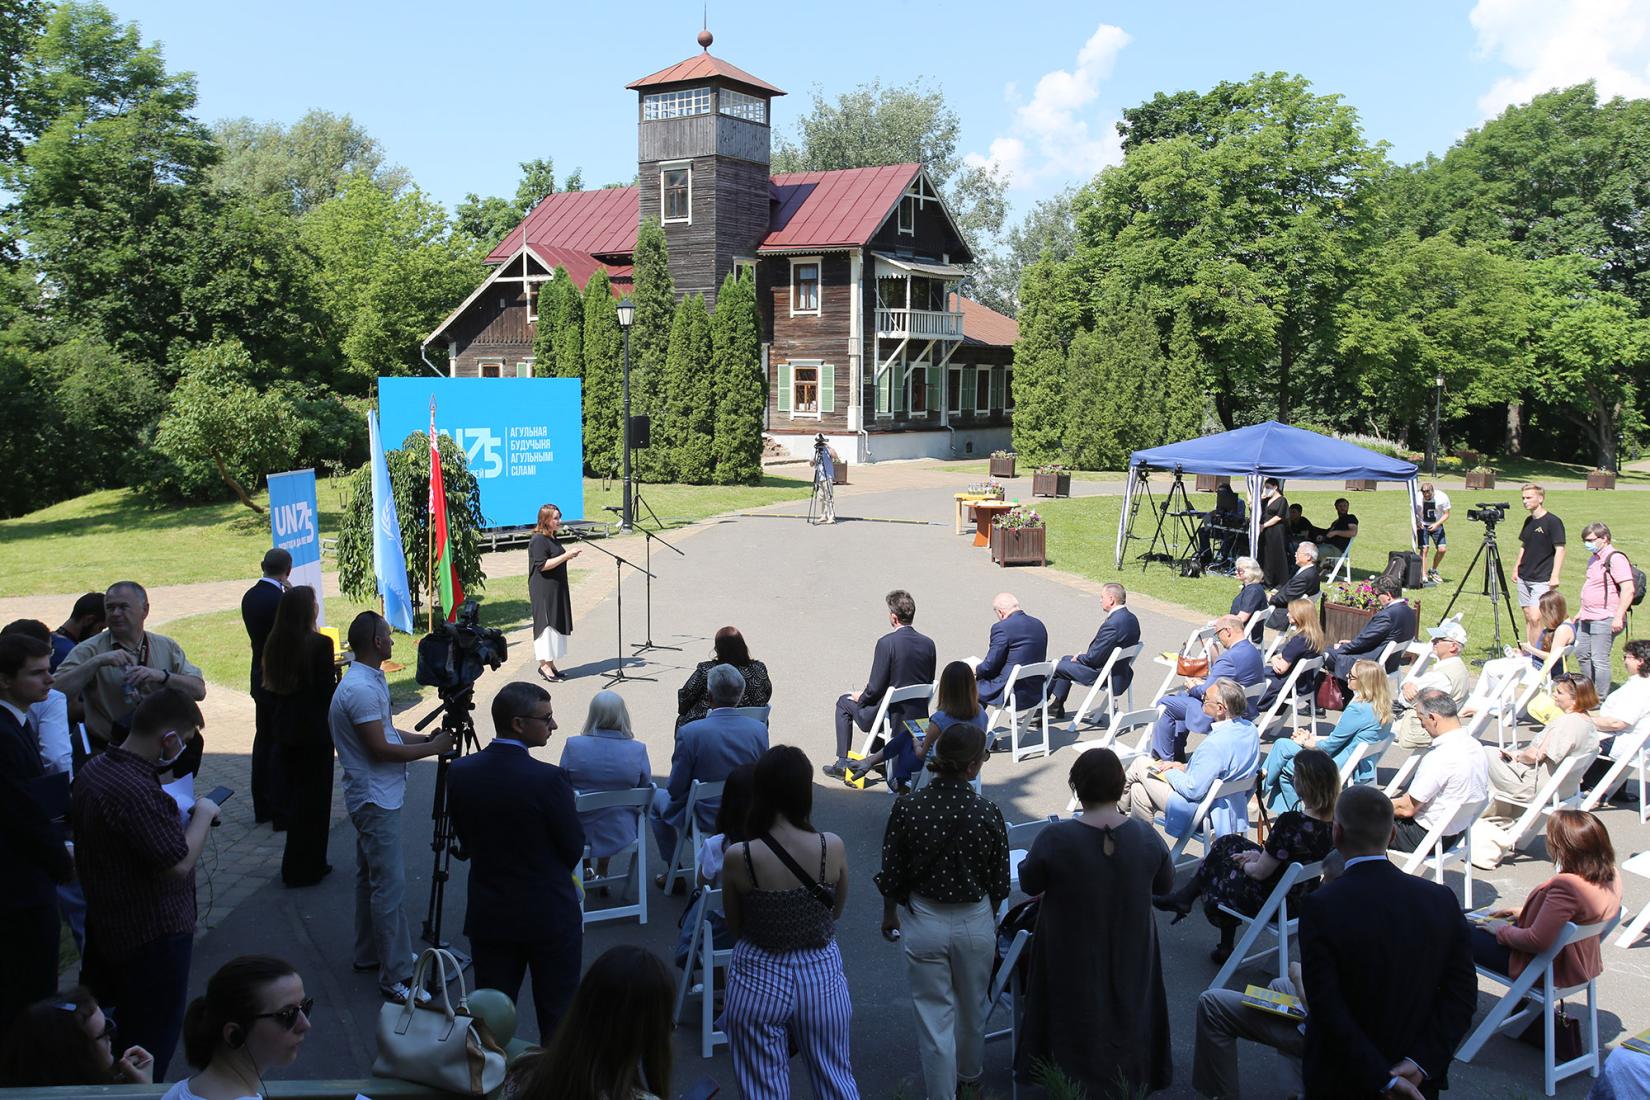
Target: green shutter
885,399
901,380
827,388
935,391
784,387
967,390
996,387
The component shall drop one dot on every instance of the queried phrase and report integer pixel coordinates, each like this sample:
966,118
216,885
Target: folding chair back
1637,865
1628,748
1255,621
1020,839
758,713
637,799
1341,558
1014,711
1370,750
1548,797
1200,828
1532,685
1431,852
1288,695
1007,982
1196,645
880,726
684,861
1142,720
704,957
1272,918
1120,658
1423,658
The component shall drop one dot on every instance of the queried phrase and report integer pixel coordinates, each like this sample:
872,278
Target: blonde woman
1367,719
1305,643
605,756
1252,596
547,589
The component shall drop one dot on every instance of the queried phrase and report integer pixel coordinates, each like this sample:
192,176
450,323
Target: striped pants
775,997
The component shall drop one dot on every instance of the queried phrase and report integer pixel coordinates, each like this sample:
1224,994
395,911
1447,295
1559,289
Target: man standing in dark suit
1304,584
515,818
1394,622
1016,639
902,658
1387,963
258,613
1118,630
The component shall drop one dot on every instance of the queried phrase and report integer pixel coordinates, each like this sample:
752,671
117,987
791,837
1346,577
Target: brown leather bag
1195,667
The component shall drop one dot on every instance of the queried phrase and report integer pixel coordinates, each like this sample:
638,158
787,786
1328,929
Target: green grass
88,542
982,469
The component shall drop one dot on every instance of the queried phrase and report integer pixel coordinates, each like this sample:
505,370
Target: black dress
693,697
1293,651
1274,548
304,743
552,609
1295,838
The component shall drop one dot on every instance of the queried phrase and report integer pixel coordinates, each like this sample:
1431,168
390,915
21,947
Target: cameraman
374,755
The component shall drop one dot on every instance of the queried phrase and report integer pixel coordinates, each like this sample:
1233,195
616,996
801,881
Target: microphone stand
651,538
618,674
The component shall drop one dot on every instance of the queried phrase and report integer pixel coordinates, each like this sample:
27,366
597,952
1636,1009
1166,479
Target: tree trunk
235,485
1515,428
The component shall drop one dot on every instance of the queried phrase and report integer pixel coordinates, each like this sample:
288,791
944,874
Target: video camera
454,655
1489,514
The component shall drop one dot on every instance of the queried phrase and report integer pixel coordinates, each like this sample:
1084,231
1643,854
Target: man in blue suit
1118,630
1016,639
1394,622
515,819
1181,714
902,658
708,750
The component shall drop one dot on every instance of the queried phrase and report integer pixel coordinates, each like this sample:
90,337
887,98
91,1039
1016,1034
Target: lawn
92,540
981,468
1083,532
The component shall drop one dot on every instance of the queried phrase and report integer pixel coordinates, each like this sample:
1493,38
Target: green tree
569,359
21,24
303,165
37,429
485,220
538,179
1047,227
603,349
690,418
552,314
741,391
655,298
109,406
1048,320
1124,392
409,470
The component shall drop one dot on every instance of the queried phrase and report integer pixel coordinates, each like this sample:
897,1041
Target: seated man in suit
706,750
1231,751
902,658
1118,630
1182,714
1447,672
1304,584
1394,622
1016,639
515,818
1387,964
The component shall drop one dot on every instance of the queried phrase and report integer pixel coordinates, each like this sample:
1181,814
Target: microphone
614,508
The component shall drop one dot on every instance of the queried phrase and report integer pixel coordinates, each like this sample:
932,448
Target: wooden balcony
920,324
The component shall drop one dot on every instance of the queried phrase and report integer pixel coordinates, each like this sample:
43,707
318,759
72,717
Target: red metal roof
597,223
841,209
984,325
703,66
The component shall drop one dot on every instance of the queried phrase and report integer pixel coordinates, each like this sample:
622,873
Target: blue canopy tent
1259,452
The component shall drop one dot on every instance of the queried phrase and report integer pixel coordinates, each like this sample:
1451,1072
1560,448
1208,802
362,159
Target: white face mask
167,761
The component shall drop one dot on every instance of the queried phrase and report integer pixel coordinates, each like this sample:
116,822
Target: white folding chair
1432,853
758,713
1548,797
704,956
1371,750
1014,711
1628,750
1197,644
1638,865
1536,982
1200,828
1020,839
1510,716
689,835
1123,657
1142,720
638,799
1276,644
1008,983
1288,696
1417,669
1341,558
1255,621
880,726
1271,919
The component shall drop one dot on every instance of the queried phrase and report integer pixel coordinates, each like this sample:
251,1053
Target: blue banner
389,560
295,523
523,437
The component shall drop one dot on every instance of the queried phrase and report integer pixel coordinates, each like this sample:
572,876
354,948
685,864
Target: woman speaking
547,588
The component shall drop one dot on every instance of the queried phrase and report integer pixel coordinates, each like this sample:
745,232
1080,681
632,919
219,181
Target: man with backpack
1613,585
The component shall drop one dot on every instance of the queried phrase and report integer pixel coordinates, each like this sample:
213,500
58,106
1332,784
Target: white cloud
1557,43
1050,139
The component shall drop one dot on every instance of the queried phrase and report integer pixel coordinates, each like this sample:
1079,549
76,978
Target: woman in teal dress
1367,719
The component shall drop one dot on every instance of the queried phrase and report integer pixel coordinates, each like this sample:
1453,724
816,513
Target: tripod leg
1466,576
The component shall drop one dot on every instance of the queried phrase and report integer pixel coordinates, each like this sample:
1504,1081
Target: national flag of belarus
447,589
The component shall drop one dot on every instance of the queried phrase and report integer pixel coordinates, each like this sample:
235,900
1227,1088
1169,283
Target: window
804,286
491,368
740,105
982,390
524,369
744,268
675,193
908,214
919,391
677,104
805,390
953,391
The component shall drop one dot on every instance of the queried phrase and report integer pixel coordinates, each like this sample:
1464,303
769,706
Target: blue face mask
1592,546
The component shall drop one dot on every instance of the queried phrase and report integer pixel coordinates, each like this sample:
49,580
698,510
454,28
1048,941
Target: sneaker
398,993
836,770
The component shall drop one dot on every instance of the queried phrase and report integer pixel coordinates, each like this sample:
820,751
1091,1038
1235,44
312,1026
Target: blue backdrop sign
522,436
294,521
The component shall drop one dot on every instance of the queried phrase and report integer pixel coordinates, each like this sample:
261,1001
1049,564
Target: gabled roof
703,66
984,325
597,223
841,209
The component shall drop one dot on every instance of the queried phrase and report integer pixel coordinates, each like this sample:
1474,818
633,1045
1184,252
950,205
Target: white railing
924,323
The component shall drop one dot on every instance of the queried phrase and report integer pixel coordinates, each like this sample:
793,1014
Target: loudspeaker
1405,565
641,431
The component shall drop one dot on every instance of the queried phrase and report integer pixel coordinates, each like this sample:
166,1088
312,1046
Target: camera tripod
1495,583
822,505
455,714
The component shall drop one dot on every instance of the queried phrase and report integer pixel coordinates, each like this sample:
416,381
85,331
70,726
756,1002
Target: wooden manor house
866,337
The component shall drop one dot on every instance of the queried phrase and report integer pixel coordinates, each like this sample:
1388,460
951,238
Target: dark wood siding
933,238
823,338
729,204
494,327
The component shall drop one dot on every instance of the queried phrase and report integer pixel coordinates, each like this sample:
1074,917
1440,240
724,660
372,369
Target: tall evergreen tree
603,348
690,420
655,298
1048,320
570,335
552,312
741,391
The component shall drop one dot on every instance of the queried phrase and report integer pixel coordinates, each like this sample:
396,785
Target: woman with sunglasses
252,1019
67,1039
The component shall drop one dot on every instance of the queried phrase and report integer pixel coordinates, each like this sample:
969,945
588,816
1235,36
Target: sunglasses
288,1017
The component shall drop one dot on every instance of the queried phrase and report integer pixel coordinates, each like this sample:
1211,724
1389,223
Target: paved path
810,603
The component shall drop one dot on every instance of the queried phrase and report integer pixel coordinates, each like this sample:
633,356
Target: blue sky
460,93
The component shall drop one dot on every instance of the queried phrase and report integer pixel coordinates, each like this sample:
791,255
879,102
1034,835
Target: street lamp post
1434,443
627,314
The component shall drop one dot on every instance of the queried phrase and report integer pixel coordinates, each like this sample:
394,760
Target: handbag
437,1044
1331,696
1194,667
1566,1035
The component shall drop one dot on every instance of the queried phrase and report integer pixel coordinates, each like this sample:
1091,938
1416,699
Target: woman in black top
1274,541
1305,643
547,589
1251,597
693,698
298,674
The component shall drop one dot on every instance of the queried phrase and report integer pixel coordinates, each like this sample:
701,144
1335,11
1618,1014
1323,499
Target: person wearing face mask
252,1019
1606,595
136,859
1273,551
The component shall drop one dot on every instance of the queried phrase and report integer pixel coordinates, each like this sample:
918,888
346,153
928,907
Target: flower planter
1342,622
1601,479
1361,484
1051,485
1208,483
1480,479
839,475
1002,467
1019,545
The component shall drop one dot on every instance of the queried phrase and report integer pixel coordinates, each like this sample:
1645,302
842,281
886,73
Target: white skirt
549,645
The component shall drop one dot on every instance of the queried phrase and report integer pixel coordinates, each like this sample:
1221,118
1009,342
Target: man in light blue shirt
707,750
1231,751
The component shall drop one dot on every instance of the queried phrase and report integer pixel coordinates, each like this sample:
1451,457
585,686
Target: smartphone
702,1089
917,728
220,795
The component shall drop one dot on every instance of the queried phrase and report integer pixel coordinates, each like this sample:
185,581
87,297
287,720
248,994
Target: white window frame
819,285
953,389
742,105
496,362
818,367
664,169
741,263
982,374
524,367
908,215
680,103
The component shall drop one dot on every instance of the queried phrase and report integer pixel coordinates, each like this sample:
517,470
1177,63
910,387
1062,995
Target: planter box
1601,479
1019,545
1208,483
1480,480
1361,484
1342,622
1002,467
1051,485
839,475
